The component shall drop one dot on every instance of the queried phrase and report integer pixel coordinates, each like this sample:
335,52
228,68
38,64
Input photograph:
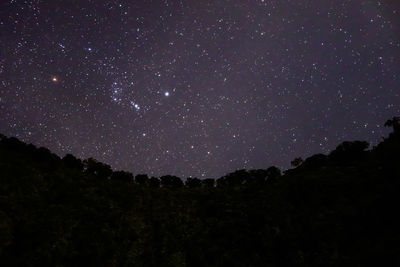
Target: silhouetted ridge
329,210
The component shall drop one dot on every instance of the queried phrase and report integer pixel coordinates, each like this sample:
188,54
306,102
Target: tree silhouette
171,181
141,179
394,123
122,176
233,179
12,143
315,161
98,169
72,162
334,210
297,162
273,173
154,182
208,183
348,152
257,176
193,182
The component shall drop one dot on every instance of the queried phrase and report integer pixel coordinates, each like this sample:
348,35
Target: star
269,75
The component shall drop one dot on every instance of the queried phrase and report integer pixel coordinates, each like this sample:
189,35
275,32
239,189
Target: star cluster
197,88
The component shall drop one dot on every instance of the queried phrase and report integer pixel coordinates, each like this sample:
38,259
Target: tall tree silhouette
394,123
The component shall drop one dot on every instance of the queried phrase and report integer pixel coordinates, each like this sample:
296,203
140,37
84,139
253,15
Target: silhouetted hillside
330,210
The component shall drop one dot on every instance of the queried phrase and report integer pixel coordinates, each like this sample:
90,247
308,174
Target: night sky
198,88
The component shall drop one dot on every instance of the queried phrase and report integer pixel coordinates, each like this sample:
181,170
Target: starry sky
198,87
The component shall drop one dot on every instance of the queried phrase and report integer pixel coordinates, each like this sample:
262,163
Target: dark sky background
198,88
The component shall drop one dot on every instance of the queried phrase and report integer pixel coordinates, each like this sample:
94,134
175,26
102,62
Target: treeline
329,210
47,161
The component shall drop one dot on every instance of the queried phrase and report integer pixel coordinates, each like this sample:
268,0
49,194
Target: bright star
135,105
166,93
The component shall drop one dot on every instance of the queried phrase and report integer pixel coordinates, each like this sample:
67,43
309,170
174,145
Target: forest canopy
329,210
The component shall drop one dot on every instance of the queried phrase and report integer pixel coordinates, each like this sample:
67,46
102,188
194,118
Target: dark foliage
71,162
97,169
347,152
335,210
395,124
154,182
193,182
142,179
122,176
169,181
297,162
208,183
